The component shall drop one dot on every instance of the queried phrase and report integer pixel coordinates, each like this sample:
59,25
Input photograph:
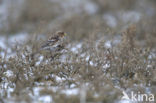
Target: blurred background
79,18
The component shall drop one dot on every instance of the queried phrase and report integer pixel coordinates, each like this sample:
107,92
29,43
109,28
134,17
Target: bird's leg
51,56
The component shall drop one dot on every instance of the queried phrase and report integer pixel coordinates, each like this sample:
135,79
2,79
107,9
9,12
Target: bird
54,43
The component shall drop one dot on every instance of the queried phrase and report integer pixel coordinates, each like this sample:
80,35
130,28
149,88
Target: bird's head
61,33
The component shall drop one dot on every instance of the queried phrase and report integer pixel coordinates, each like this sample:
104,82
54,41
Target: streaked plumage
54,42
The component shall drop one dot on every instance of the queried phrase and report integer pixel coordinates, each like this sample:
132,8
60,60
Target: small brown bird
54,42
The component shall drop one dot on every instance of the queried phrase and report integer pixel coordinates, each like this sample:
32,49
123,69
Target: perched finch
54,43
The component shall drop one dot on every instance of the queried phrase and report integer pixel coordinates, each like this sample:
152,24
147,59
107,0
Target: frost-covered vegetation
110,48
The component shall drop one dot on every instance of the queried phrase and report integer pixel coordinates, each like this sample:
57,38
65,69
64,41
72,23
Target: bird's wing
51,41
48,43
45,45
54,39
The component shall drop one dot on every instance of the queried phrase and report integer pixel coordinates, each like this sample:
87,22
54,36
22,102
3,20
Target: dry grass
129,65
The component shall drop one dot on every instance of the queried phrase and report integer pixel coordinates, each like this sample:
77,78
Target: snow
125,101
2,54
69,92
9,73
87,58
106,66
148,90
11,41
37,98
36,91
72,85
108,44
6,89
75,48
59,79
39,61
45,99
18,38
91,63
9,91
2,42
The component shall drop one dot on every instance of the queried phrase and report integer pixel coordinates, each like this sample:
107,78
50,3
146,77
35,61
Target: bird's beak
65,34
